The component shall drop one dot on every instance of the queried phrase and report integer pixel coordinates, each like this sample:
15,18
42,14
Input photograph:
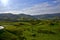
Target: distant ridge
14,17
47,16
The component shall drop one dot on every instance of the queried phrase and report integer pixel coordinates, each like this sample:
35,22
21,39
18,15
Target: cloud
43,8
39,8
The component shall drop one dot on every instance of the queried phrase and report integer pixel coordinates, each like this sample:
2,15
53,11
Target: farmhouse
1,27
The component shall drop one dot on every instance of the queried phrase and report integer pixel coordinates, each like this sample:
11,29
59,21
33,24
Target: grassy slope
43,30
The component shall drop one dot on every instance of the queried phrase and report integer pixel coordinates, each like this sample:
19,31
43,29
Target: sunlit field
31,30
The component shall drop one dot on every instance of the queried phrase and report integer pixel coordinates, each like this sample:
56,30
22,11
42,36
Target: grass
43,30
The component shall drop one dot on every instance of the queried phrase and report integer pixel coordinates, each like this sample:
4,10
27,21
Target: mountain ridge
13,17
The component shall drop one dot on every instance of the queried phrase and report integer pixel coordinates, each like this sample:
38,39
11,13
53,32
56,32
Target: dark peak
6,13
22,14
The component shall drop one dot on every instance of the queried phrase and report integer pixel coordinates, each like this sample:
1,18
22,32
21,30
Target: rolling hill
15,17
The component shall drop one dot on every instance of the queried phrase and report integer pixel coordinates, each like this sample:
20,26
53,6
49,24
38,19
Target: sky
31,7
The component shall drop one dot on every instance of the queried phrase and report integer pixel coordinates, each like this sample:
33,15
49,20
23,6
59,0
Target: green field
31,30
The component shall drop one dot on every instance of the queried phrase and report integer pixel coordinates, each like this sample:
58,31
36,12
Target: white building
1,27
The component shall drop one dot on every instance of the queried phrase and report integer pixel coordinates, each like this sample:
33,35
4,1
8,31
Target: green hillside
31,30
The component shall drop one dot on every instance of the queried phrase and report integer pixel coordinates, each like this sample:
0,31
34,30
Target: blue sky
30,6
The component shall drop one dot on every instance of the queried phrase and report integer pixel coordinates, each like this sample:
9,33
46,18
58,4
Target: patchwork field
31,30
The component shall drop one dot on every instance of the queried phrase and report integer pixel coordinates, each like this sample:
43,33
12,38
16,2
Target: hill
42,30
20,17
48,16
